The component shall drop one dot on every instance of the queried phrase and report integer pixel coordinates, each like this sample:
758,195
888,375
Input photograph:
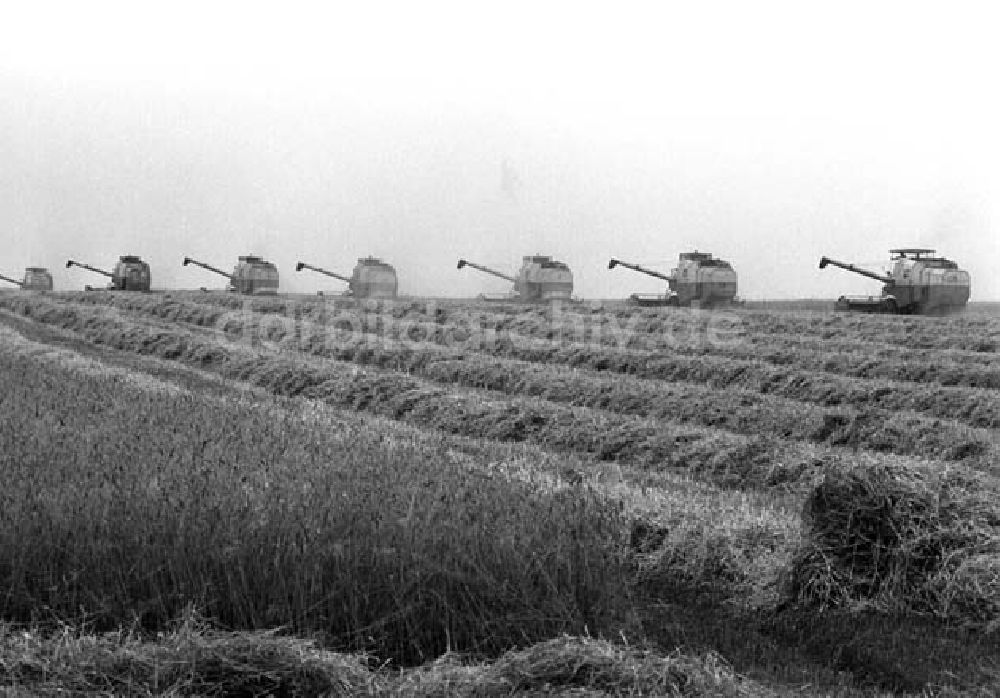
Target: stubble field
310,495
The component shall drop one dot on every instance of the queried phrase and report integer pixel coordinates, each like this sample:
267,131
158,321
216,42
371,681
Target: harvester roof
913,252
921,254
544,261
130,258
705,259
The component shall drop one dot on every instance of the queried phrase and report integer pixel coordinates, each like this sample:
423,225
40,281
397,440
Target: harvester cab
544,279
252,275
37,279
130,273
371,278
702,279
918,283
541,279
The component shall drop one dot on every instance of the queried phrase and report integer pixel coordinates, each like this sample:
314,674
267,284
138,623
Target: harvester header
74,263
642,270
487,270
823,262
209,267
302,265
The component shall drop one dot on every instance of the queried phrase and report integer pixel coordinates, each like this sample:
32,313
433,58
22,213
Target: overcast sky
766,133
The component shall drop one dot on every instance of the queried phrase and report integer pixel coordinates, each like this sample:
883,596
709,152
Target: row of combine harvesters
699,280
918,283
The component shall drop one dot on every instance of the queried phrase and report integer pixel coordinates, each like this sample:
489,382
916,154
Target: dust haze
767,138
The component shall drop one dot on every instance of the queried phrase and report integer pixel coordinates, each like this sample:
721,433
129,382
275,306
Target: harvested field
503,499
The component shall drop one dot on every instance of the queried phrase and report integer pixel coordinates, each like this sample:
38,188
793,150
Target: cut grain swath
727,457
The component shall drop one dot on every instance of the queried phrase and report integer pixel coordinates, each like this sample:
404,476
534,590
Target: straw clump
580,666
196,660
902,539
192,660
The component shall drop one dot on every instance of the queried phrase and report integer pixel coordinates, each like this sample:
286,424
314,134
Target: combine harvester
919,284
35,279
540,280
130,274
371,278
698,281
252,276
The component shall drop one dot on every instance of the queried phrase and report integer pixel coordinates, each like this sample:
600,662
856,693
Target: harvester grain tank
252,275
698,280
371,278
919,283
35,279
540,279
130,273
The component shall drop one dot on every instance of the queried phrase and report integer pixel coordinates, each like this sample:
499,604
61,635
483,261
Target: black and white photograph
490,349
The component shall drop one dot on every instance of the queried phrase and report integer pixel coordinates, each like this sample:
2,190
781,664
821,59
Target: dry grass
190,660
903,540
656,435
196,660
825,341
607,435
580,666
120,511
